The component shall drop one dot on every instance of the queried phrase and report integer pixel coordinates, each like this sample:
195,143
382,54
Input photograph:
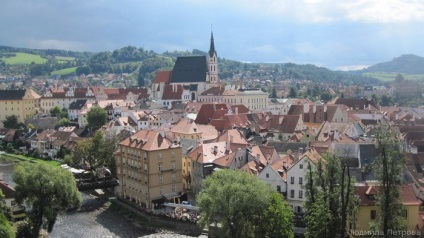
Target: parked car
186,203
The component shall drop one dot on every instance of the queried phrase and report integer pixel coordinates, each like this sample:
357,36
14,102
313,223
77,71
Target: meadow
23,58
64,71
385,76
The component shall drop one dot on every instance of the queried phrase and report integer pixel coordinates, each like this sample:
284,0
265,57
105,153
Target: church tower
212,63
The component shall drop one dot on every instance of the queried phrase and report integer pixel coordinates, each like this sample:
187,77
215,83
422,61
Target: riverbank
161,225
21,158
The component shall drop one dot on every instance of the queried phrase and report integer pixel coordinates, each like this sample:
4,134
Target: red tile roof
172,92
163,77
366,194
147,140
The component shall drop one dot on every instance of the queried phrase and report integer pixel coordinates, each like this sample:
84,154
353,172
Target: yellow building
149,168
369,212
21,103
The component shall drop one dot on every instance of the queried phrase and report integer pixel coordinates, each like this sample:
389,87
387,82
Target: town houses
189,124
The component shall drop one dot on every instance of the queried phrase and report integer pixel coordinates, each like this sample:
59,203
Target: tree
273,92
278,217
55,111
6,229
330,200
11,122
64,122
326,96
96,117
47,190
241,204
293,93
388,168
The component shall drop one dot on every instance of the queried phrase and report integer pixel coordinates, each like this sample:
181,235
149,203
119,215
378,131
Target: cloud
351,67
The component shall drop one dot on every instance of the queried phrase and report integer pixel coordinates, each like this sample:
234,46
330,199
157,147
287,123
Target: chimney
215,149
227,146
231,139
325,107
314,108
236,110
257,158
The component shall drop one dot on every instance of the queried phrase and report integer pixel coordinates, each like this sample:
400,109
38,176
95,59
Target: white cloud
351,67
380,11
266,49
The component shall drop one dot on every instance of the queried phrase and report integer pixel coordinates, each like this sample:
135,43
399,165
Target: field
64,71
24,58
64,59
383,76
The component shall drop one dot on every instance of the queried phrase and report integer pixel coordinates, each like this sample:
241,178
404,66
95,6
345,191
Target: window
160,155
373,214
279,188
300,180
174,188
300,194
300,166
172,164
160,167
145,179
160,191
173,154
161,178
292,180
267,175
173,177
292,193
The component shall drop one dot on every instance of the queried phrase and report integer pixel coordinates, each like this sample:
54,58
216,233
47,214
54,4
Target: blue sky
337,34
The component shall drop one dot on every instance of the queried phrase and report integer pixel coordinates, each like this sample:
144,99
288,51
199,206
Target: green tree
96,117
64,122
330,195
11,122
241,204
55,111
6,229
389,168
278,218
273,92
293,93
47,190
326,96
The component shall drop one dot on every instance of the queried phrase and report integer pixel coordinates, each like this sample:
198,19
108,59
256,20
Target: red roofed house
369,211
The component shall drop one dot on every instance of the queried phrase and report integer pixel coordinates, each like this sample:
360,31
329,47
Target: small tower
212,63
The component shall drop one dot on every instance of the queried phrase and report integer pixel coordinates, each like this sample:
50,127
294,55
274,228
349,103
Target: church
190,76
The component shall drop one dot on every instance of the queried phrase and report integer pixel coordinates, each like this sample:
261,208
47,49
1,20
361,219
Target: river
102,222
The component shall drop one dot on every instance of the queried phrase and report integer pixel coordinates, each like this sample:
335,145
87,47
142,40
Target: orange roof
147,140
163,77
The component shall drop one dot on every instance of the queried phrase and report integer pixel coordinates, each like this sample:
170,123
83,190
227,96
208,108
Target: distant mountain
408,64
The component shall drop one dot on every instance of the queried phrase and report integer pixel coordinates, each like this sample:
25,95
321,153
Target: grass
64,71
23,58
384,76
19,158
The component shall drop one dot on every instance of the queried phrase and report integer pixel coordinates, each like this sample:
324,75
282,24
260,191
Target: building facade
149,168
21,103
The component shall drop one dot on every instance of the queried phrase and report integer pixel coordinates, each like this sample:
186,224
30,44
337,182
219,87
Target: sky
337,34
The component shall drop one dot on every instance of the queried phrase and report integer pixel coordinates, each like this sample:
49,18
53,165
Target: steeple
212,47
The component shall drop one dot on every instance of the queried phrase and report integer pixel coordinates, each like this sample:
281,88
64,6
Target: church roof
12,94
212,47
189,69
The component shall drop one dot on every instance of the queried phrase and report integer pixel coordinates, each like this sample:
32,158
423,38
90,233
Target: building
369,211
190,76
149,168
20,103
253,99
296,180
64,96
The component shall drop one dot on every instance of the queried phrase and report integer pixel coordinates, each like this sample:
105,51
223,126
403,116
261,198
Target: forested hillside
144,65
409,64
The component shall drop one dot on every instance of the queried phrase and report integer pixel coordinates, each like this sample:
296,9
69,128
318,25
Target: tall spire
212,47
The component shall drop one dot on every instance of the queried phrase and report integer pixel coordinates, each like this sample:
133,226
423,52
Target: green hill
22,58
407,64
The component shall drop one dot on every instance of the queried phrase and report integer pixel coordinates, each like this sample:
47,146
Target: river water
102,222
